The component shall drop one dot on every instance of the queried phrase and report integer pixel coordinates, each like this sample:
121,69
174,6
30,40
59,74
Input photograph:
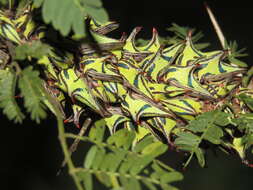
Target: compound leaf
35,49
7,96
71,14
117,165
30,86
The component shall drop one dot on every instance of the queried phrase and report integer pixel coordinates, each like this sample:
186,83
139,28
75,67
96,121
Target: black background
30,155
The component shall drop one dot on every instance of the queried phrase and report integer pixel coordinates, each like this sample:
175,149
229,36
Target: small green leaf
221,118
104,178
99,158
97,131
133,184
35,49
186,140
118,157
237,62
143,143
130,161
86,177
149,185
155,149
71,14
31,89
140,164
107,161
7,96
213,134
122,138
90,157
200,156
98,14
171,177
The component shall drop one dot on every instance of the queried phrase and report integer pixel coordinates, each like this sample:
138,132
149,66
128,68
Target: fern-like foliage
7,96
235,53
206,126
180,33
244,123
71,14
30,86
117,163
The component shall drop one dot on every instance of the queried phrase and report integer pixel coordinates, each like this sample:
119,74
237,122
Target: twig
10,5
216,26
63,143
66,152
74,145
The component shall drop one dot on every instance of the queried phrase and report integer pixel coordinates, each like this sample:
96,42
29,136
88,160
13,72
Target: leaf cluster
71,14
235,53
180,33
31,90
117,163
207,126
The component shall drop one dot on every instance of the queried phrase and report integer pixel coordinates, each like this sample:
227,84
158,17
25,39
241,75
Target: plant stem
73,147
10,4
66,152
63,142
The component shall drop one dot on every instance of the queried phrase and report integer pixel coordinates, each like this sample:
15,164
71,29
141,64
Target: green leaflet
7,96
71,14
235,53
127,168
35,50
209,125
114,89
30,83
